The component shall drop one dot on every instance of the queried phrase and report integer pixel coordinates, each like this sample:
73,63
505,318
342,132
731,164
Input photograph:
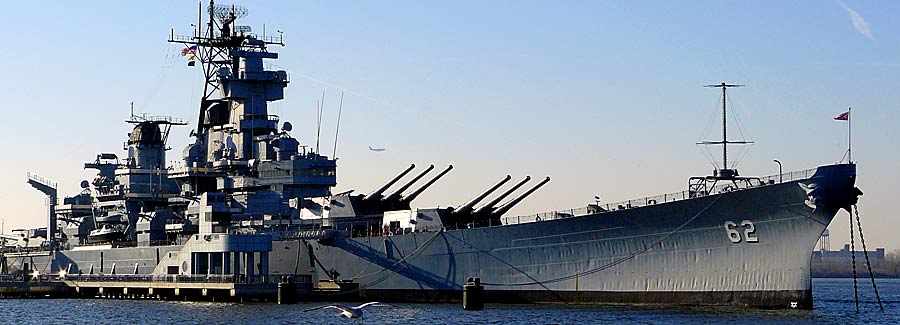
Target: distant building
843,255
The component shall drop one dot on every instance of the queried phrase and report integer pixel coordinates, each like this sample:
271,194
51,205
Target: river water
834,303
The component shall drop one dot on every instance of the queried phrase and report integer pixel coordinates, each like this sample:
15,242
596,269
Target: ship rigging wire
742,151
169,61
714,118
705,149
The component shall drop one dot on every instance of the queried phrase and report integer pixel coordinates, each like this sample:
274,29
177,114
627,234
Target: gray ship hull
681,253
669,253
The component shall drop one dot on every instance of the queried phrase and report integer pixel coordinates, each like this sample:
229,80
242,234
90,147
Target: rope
403,260
412,254
300,247
853,262
866,254
617,262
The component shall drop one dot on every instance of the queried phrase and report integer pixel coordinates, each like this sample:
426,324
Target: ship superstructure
248,202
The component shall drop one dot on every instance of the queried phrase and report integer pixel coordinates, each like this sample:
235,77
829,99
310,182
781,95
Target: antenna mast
724,172
214,47
338,127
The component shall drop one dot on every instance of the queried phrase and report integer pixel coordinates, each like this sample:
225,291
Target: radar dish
85,184
287,127
243,29
229,12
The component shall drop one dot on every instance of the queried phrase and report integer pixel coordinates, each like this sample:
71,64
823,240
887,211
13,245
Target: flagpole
849,134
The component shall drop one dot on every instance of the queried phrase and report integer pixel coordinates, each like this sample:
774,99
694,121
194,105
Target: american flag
843,117
189,50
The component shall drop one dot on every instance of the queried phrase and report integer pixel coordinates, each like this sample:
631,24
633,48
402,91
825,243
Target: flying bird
350,312
376,149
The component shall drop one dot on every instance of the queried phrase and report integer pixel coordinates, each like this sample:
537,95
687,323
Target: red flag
843,117
189,50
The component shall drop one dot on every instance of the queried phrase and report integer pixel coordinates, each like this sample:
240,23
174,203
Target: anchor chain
862,240
853,263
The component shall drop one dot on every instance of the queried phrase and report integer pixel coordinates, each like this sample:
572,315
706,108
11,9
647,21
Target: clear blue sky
604,96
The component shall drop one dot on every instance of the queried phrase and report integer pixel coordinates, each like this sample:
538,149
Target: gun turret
395,197
412,196
489,207
378,193
467,208
496,214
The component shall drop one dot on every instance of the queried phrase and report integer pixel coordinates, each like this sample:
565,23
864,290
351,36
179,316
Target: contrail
858,22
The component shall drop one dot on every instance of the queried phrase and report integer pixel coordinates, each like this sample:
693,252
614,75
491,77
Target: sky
605,97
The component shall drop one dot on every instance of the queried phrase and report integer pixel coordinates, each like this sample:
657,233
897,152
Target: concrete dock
173,287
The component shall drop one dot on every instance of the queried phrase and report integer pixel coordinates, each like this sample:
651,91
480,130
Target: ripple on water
833,304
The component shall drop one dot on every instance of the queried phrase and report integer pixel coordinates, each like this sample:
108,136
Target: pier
175,287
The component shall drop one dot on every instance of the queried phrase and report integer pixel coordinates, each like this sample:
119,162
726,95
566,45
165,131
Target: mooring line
853,263
866,254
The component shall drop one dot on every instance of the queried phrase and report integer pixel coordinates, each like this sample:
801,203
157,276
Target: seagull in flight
349,312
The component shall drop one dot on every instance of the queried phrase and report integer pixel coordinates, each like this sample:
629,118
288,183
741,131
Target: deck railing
215,278
41,180
202,278
651,200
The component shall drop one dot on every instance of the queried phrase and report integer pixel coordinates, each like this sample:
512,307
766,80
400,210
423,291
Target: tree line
889,267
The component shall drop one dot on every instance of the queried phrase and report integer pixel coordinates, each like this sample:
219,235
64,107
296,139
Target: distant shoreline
866,275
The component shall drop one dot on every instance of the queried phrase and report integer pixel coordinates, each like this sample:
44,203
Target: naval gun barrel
466,208
501,210
396,195
381,190
414,194
490,205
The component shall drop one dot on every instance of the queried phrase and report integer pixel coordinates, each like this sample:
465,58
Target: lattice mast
215,44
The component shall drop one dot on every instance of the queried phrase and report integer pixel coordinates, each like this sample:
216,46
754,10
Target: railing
31,278
272,39
144,117
307,234
256,117
180,38
164,242
279,40
218,278
215,278
41,180
651,200
45,247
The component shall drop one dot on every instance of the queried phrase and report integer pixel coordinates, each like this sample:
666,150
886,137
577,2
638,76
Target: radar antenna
214,45
227,13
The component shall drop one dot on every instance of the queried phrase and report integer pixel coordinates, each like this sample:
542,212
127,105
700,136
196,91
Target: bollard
473,294
287,293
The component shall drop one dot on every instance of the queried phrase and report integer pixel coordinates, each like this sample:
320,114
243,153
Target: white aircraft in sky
376,149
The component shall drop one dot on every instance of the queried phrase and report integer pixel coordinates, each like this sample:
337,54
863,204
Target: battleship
247,200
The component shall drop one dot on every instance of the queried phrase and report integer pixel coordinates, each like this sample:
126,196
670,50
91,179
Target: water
833,304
